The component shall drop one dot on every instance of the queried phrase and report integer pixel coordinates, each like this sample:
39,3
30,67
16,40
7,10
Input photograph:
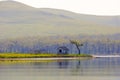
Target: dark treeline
103,46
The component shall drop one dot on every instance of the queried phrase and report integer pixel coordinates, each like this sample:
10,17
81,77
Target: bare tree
77,44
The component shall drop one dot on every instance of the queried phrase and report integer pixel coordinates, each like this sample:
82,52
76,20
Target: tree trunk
78,49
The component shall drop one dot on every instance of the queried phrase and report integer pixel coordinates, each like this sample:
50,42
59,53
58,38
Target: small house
62,50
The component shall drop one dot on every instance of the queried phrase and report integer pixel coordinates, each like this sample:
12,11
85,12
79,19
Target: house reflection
63,63
68,64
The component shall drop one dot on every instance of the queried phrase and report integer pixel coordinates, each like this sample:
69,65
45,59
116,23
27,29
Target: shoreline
106,56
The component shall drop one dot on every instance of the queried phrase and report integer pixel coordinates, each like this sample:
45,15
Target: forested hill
91,44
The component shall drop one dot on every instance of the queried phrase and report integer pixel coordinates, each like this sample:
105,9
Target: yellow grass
33,55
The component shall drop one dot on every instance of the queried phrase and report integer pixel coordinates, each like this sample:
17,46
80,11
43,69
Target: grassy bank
31,55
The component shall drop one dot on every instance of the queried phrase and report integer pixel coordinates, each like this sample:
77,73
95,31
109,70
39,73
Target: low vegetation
31,55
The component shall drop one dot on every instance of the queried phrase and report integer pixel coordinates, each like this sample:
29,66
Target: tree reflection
78,64
77,69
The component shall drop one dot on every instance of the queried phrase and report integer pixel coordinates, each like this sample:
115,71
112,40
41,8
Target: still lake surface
84,69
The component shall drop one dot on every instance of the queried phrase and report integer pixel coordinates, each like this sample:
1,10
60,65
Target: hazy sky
96,7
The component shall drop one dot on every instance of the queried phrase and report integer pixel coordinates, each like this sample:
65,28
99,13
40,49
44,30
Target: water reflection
63,63
74,66
92,67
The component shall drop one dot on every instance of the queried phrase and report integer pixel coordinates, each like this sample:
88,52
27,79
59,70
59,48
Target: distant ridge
20,20
13,5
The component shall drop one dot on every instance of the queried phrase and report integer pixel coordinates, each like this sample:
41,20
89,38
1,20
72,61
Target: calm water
88,69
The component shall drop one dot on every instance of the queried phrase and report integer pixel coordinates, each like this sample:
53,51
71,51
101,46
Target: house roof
63,47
